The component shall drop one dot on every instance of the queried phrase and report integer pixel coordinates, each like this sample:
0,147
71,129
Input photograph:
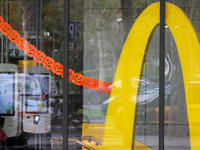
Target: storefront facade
99,74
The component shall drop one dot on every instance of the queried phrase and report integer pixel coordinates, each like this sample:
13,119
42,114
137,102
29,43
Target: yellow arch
121,110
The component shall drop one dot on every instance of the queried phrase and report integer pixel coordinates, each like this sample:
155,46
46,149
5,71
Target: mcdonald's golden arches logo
118,132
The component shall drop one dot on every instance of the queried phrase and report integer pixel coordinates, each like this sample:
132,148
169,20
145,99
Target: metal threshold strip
72,140
92,138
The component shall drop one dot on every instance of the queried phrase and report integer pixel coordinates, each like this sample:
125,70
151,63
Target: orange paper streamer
50,63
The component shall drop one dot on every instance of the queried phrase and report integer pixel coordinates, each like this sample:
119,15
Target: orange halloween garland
50,63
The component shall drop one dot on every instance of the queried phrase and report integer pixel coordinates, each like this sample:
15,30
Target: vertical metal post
2,36
35,141
40,141
162,75
65,74
37,24
34,18
40,25
7,18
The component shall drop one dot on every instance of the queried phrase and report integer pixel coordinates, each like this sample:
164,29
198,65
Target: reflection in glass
31,100
176,119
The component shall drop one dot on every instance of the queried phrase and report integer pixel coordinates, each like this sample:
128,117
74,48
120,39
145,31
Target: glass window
113,85
105,26
31,86
178,107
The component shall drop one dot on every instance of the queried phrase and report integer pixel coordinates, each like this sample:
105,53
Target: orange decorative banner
49,63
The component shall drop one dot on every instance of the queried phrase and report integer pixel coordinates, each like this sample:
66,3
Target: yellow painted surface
93,129
120,117
26,63
96,130
187,42
139,146
92,145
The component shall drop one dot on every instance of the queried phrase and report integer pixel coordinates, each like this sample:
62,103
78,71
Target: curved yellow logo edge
120,118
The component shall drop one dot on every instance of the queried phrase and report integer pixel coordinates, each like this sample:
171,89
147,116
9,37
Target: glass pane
148,97
30,85
97,33
176,120
181,108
